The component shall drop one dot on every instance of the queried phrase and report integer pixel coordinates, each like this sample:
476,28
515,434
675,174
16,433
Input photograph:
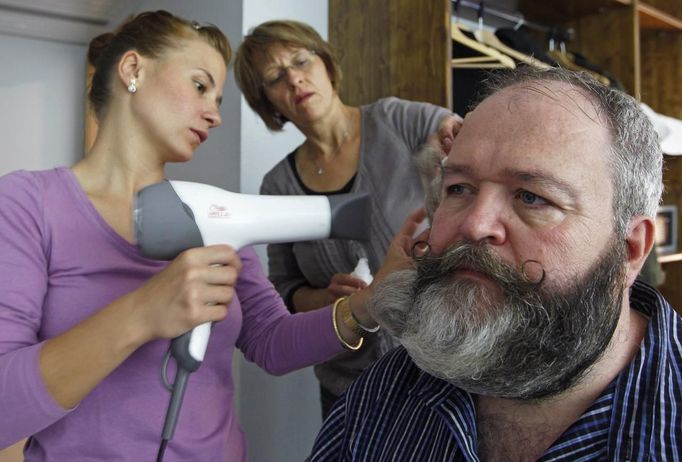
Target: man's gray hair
636,158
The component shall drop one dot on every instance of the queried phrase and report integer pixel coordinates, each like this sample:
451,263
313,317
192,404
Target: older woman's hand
344,284
428,158
447,131
398,256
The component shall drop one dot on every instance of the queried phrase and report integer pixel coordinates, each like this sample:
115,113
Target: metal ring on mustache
525,275
420,244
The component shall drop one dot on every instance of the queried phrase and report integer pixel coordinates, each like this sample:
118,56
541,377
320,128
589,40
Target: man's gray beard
538,342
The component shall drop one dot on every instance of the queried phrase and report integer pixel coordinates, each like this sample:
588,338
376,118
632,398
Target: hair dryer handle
189,348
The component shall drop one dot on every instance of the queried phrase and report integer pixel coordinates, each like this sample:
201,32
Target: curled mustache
477,257
514,282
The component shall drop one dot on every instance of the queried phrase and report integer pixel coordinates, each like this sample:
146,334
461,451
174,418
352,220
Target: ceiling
75,21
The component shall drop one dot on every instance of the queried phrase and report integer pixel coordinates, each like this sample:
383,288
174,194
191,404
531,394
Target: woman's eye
530,198
301,62
200,86
274,79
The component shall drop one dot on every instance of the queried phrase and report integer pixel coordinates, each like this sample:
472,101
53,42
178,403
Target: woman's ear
129,68
640,241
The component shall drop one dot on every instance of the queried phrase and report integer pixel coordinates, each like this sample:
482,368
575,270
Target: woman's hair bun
97,47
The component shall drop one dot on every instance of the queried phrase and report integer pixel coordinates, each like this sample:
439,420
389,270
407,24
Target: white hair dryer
173,216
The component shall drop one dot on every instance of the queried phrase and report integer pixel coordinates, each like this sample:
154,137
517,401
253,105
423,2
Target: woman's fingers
195,288
449,127
411,224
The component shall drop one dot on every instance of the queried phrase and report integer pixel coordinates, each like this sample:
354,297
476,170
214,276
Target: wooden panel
610,39
397,48
420,50
560,12
662,71
358,31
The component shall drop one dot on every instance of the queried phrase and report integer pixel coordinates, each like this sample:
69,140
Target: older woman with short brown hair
288,73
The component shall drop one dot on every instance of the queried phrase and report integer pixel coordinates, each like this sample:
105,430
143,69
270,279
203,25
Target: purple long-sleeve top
60,262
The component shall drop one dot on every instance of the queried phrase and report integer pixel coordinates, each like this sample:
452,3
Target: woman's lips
303,97
201,135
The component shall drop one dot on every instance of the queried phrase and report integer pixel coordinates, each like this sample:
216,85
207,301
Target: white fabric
669,131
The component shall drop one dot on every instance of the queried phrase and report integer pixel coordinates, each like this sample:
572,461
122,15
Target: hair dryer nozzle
164,225
350,216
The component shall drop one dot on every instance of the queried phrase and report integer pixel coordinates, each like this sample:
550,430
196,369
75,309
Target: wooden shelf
558,12
650,17
653,18
670,258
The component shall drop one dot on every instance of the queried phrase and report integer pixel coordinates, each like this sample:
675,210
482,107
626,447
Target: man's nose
483,220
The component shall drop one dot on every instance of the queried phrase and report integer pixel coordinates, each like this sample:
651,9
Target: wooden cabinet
392,48
403,48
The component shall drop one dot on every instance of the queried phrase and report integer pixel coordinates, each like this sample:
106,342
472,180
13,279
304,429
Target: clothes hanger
564,58
489,58
488,37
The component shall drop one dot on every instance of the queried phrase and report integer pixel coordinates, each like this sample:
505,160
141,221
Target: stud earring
132,87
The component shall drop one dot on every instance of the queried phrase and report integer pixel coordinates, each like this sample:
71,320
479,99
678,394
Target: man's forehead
538,109
531,127
553,98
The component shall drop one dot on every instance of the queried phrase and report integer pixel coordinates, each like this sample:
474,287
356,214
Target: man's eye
530,198
455,190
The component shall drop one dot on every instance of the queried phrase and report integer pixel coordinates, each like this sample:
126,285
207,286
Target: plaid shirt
396,412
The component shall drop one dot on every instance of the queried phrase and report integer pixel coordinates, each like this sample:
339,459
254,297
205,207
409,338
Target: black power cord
177,393
162,449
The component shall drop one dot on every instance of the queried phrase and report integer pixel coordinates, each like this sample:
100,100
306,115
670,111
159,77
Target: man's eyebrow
536,177
545,180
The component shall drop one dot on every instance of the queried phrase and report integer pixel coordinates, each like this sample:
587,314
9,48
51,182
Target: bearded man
524,333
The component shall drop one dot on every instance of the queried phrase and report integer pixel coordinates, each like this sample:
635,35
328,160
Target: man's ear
640,241
129,67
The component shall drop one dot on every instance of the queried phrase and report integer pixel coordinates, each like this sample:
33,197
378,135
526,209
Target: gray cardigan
391,130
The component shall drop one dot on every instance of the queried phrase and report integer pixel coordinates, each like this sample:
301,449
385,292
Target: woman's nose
294,75
213,117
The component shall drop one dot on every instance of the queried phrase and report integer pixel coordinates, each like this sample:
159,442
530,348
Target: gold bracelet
338,333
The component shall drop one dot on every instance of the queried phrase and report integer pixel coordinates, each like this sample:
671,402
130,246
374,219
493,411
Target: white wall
41,103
